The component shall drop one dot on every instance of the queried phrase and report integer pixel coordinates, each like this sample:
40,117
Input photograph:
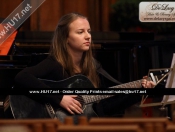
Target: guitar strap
105,74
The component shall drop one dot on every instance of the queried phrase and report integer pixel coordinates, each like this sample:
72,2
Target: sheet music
171,98
170,84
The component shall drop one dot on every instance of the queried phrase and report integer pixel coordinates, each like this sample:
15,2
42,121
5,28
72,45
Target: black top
49,69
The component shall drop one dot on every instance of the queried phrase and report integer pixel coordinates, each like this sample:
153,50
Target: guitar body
23,107
76,81
88,111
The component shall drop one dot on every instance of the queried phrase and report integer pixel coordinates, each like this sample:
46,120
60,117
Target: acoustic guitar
22,106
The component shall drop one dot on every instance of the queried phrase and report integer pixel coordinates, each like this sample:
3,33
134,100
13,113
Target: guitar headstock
159,76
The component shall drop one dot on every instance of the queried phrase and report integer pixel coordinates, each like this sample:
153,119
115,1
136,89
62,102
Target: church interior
126,47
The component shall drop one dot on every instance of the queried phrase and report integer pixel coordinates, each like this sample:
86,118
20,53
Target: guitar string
80,99
88,99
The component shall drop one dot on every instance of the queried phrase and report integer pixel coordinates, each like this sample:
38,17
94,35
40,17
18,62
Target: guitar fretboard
93,98
134,84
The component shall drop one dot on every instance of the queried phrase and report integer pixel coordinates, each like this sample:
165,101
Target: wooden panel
7,6
93,14
106,9
79,6
97,11
46,17
49,14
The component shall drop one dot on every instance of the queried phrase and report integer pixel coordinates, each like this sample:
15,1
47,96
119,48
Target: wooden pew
92,125
84,126
147,124
99,128
35,125
170,128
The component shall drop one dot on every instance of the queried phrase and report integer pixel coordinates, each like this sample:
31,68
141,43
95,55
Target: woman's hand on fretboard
147,83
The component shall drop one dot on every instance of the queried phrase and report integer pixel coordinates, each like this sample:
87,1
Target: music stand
170,83
170,99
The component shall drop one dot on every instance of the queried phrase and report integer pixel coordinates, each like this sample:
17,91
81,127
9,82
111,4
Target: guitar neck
134,84
93,98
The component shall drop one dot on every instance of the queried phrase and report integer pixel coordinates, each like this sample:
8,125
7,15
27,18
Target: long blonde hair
59,50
